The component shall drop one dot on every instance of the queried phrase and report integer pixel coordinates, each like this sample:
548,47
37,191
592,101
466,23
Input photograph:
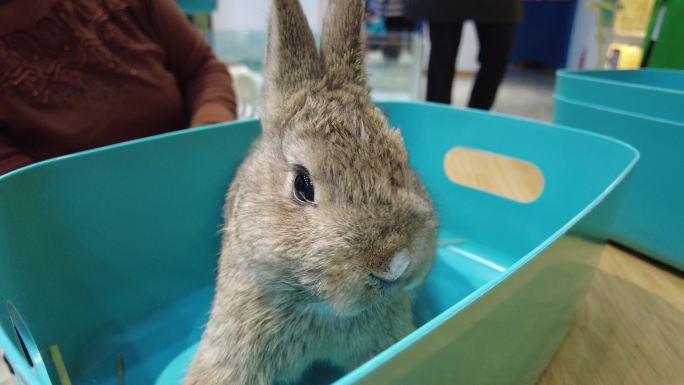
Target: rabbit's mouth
387,287
383,284
401,274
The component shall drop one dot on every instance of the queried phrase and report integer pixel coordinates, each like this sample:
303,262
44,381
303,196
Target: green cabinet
667,51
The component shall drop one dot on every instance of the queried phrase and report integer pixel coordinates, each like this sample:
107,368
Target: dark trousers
496,45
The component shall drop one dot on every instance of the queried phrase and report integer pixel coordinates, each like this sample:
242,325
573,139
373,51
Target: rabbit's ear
291,56
342,44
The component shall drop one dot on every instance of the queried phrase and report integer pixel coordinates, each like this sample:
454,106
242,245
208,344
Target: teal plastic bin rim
21,368
594,76
24,371
653,93
613,111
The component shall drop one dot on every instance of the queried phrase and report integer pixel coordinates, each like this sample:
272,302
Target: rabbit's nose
397,267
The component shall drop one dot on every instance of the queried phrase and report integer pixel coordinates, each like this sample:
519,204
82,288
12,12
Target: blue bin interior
113,251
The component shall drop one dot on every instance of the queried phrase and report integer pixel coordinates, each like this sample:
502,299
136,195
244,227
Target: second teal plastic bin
112,253
646,109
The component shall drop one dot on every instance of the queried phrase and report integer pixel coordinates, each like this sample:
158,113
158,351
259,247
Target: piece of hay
59,365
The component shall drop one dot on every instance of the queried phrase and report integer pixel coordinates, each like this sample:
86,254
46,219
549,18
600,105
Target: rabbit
327,227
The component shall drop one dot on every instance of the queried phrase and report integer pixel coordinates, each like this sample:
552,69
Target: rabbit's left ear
292,61
342,43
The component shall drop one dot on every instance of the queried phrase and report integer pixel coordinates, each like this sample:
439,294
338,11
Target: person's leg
444,40
496,46
396,26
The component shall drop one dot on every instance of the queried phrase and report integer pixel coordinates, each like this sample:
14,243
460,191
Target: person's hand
211,113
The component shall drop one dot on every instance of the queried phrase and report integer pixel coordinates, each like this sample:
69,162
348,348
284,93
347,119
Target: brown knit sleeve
204,80
11,158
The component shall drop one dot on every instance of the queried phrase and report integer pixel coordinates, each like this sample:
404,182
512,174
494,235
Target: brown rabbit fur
298,280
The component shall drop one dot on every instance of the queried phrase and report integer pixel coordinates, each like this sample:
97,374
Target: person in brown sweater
80,74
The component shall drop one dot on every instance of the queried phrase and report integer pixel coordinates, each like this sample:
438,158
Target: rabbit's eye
303,186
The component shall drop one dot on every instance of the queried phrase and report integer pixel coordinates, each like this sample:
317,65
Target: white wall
583,38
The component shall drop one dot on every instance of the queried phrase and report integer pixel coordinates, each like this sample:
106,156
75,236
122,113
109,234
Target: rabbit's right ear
291,57
342,43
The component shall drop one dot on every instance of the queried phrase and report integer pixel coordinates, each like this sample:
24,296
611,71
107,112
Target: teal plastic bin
112,252
197,6
646,109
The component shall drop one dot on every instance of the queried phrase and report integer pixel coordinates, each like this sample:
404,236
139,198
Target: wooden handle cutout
501,175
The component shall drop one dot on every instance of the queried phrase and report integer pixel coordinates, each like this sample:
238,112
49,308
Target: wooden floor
630,330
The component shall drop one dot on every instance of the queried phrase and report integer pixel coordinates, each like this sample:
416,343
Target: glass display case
393,65
394,56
